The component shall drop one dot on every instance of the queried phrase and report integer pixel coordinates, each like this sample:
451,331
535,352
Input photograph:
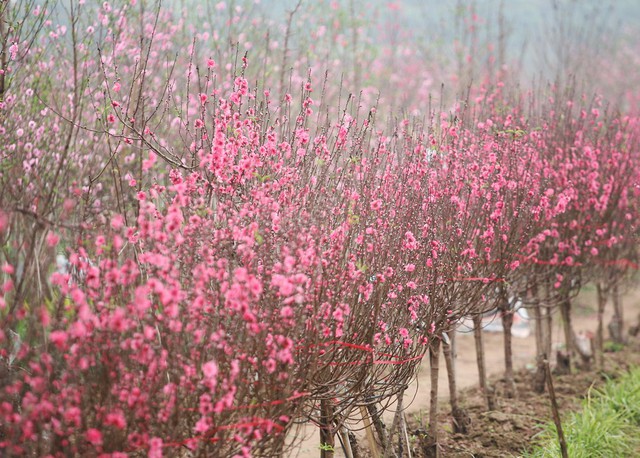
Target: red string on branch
618,262
256,422
271,403
370,360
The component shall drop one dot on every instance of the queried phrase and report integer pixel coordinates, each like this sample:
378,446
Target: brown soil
511,429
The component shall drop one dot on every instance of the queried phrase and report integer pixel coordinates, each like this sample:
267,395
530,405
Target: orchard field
222,220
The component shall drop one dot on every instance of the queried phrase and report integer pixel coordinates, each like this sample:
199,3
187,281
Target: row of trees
194,261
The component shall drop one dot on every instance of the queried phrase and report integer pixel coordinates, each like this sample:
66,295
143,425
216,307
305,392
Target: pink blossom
116,419
78,329
409,242
270,365
59,339
94,436
210,370
203,425
68,205
147,164
376,204
117,222
52,239
155,447
7,286
118,321
13,51
285,287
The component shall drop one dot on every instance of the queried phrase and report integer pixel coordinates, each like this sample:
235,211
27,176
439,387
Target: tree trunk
556,413
346,441
565,311
396,428
368,427
459,416
480,359
540,375
616,327
355,447
397,423
327,436
507,324
602,302
378,424
434,356
547,330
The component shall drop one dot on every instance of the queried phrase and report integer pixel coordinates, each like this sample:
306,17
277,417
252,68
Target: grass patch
612,346
607,426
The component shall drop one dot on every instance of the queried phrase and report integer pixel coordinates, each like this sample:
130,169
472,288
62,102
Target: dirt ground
509,429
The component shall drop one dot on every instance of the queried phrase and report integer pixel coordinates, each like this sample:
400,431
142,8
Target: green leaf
21,329
326,447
